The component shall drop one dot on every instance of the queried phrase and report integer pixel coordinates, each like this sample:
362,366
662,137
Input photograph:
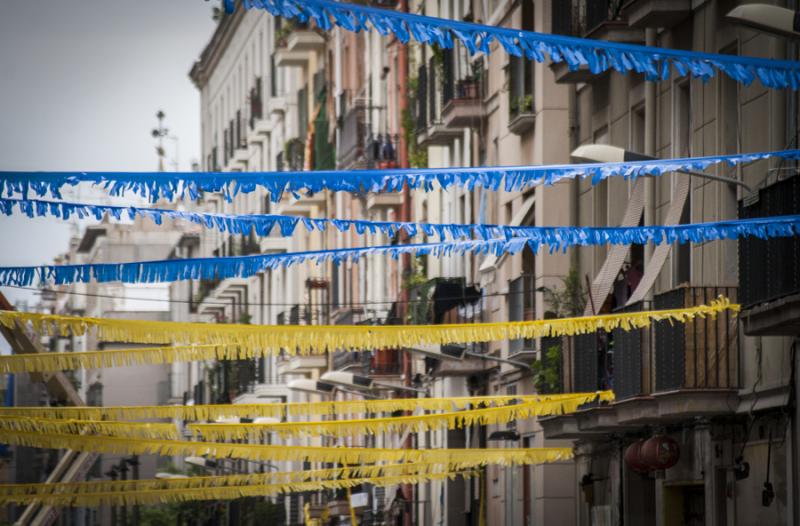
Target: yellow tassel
65,361
374,426
247,479
280,411
79,427
308,339
160,496
460,458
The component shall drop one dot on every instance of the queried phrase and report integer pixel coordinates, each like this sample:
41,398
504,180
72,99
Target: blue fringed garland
555,237
654,63
244,266
172,185
239,266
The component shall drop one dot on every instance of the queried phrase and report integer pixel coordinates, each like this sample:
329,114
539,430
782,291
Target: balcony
465,109
305,40
431,94
597,19
769,270
656,13
671,372
384,200
522,307
353,134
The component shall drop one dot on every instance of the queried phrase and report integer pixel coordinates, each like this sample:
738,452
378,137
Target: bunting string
79,427
555,237
375,426
655,63
160,496
550,403
456,458
337,428
308,339
170,270
178,185
243,479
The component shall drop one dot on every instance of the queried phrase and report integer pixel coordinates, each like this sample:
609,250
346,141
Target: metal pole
649,149
123,470
405,213
134,462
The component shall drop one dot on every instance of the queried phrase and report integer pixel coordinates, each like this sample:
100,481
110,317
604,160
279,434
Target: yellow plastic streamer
65,361
457,458
80,427
283,410
91,500
308,339
247,479
374,426
338,428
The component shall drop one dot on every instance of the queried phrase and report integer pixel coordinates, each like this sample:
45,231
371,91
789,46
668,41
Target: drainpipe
649,149
575,185
405,214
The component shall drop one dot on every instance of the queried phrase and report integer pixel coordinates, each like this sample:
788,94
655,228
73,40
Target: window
521,73
637,130
682,114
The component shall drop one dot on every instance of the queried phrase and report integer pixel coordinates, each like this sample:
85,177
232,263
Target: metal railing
353,134
770,268
700,354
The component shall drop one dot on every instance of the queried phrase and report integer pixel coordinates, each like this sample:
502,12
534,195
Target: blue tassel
516,240
599,56
175,185
557,238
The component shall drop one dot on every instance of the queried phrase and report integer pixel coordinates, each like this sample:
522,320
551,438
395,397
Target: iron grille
701,353
585,357
770,269
422,98
628,349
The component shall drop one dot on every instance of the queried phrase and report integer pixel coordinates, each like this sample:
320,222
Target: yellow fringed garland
374,426
339,428
247,479
91,500
66,361
458,458
307,339
95,427
281,410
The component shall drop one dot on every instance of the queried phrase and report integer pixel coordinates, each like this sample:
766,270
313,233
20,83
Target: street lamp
305,385
767,18
363,383
459,352
604,153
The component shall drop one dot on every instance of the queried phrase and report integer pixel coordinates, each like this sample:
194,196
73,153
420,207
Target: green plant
547,370
417,157
419,289
569,300
522,104
283,32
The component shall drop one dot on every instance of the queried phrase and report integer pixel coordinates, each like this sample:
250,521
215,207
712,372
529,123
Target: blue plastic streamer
555,237
654,63
172,185
169,270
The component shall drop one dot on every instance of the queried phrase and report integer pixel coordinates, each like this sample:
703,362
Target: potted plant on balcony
522,117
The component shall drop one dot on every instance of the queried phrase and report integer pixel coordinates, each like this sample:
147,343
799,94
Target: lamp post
459,352
603,153
159,133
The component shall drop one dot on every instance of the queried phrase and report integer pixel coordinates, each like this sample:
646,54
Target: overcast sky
80,83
